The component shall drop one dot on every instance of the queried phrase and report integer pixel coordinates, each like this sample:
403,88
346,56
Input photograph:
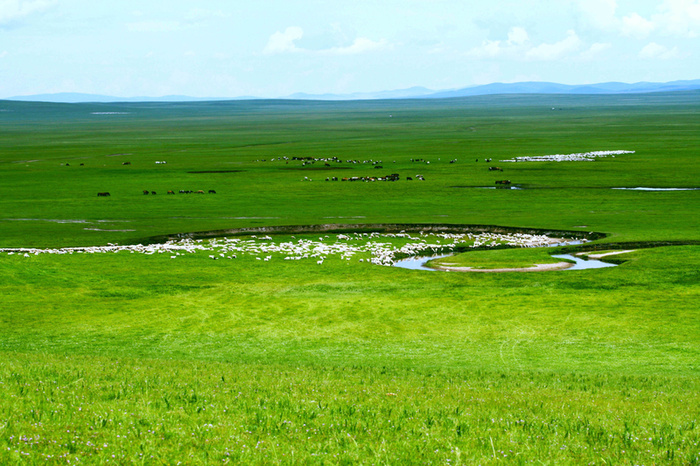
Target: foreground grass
147,359
640,317
100,410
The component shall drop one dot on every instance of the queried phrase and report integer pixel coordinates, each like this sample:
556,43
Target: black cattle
126,163
153,192
211,191
145,192
102,194
491,169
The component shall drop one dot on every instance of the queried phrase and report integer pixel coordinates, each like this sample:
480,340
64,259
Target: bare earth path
536,268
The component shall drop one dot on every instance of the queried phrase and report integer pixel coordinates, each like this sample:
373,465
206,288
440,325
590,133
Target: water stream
418,263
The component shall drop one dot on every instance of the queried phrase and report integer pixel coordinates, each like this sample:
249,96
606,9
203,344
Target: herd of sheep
577,157
382,248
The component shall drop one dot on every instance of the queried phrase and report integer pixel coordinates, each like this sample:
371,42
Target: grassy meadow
131,358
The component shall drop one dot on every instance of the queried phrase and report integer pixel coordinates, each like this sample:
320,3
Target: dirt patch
599,256
536,268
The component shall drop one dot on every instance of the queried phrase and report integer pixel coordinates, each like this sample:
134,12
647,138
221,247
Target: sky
274,48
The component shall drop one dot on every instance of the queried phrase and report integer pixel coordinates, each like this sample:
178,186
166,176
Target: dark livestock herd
327,163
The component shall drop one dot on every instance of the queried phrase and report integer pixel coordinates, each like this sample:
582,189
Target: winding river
419,263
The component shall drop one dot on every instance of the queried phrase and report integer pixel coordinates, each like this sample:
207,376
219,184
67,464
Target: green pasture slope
144,359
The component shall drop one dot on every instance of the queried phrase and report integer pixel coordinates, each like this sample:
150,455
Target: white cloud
654,51
281,42
517,36
675,17
599,13
518,47
488,49
595,50
3,54
13,10
517,39
549,52
360,45
284,42
680,17
636,26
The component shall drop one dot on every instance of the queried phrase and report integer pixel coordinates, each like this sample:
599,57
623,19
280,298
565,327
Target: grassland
144,359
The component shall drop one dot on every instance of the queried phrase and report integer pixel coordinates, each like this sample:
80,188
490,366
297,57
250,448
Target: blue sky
271,48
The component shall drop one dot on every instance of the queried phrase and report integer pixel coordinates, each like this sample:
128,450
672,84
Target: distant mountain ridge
77,97
410,93
555,88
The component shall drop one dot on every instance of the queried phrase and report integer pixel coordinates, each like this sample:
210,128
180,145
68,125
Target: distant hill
554,88
74,97
410,93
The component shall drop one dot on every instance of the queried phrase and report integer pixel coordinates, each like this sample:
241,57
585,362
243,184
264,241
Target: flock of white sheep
382,248
578,157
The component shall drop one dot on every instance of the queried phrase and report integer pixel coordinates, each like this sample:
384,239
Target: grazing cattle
145,192
200,192
211,191
102,194
502,181
378,166
492,169
126,163
171,192
153,192
82,164
408,178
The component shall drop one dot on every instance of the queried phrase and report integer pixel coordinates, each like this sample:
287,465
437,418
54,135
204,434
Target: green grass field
133,358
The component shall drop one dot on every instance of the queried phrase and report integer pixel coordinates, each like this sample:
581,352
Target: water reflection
582,264
418,263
